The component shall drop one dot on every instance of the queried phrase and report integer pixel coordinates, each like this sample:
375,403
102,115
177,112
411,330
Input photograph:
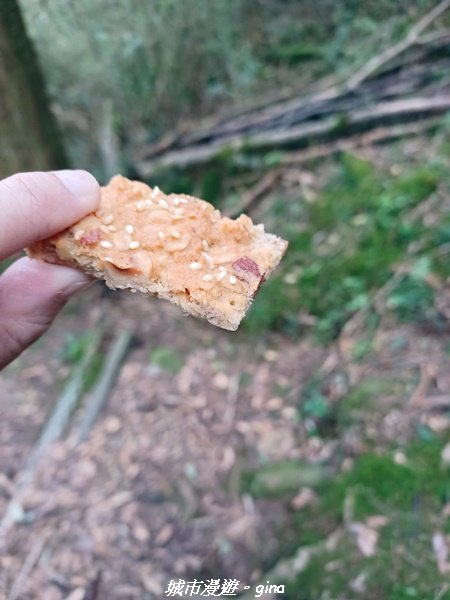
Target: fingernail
82,184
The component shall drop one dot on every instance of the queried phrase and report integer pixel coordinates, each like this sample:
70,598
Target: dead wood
53,429
308,133
387,55
107,377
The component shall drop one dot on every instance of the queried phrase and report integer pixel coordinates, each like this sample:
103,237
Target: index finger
34,206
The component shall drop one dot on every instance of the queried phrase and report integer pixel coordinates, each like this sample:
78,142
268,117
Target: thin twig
28,565
387,55
53,429
442,592
259,190
305,133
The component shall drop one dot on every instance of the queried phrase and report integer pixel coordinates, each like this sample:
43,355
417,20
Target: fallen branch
307,133
53,429
259,190
105,382
28,565
412,38
381,134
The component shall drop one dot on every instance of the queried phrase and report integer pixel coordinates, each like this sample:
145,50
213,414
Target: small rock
221,381
271,355
112,424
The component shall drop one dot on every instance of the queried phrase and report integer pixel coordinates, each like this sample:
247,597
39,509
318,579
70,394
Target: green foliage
72,352
157,63
167,359
362,398
411,299
74,347
345,247
376,485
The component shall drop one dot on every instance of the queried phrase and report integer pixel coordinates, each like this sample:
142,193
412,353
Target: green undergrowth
72,352
410,496
167,359
346,244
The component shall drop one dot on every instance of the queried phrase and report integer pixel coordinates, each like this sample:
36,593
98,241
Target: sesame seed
105,244
163,203
175,233
133,245
111,228
108,219
221,275
205,245
195,266
208,258
108,259
78,234
184,200
129,229
178,212
207,277
222,269
156,190
161,235
140,206
232,279
176,201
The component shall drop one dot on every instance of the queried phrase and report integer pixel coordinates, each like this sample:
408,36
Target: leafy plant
349,240
167,359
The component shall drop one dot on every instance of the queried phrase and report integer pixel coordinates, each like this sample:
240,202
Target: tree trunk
29,136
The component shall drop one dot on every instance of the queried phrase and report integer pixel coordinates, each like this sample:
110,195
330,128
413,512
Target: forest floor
311,449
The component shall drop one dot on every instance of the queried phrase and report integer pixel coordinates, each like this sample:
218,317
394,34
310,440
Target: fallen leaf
366,538
304,498
164,535
440,549
376,521
445,454
77,594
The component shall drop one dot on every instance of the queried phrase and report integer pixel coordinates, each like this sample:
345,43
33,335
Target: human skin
34,206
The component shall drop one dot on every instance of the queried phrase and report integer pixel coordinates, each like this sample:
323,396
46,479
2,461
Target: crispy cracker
171,246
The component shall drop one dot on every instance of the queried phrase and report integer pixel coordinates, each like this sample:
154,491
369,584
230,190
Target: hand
34,206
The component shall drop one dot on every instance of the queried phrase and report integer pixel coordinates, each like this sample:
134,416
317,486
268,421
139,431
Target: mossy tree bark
29,136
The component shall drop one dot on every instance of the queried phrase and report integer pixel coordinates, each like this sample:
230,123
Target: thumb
31,294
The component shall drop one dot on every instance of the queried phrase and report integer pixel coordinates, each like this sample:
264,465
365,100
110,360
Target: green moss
410,496
167,359
278,479
344,247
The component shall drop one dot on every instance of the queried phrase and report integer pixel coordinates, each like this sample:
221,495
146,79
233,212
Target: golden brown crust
173,246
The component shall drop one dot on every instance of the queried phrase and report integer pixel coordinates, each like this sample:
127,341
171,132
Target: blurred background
311,449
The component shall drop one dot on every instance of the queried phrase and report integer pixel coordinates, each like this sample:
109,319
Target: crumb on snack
172,246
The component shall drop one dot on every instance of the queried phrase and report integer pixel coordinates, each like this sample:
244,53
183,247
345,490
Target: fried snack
171,246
